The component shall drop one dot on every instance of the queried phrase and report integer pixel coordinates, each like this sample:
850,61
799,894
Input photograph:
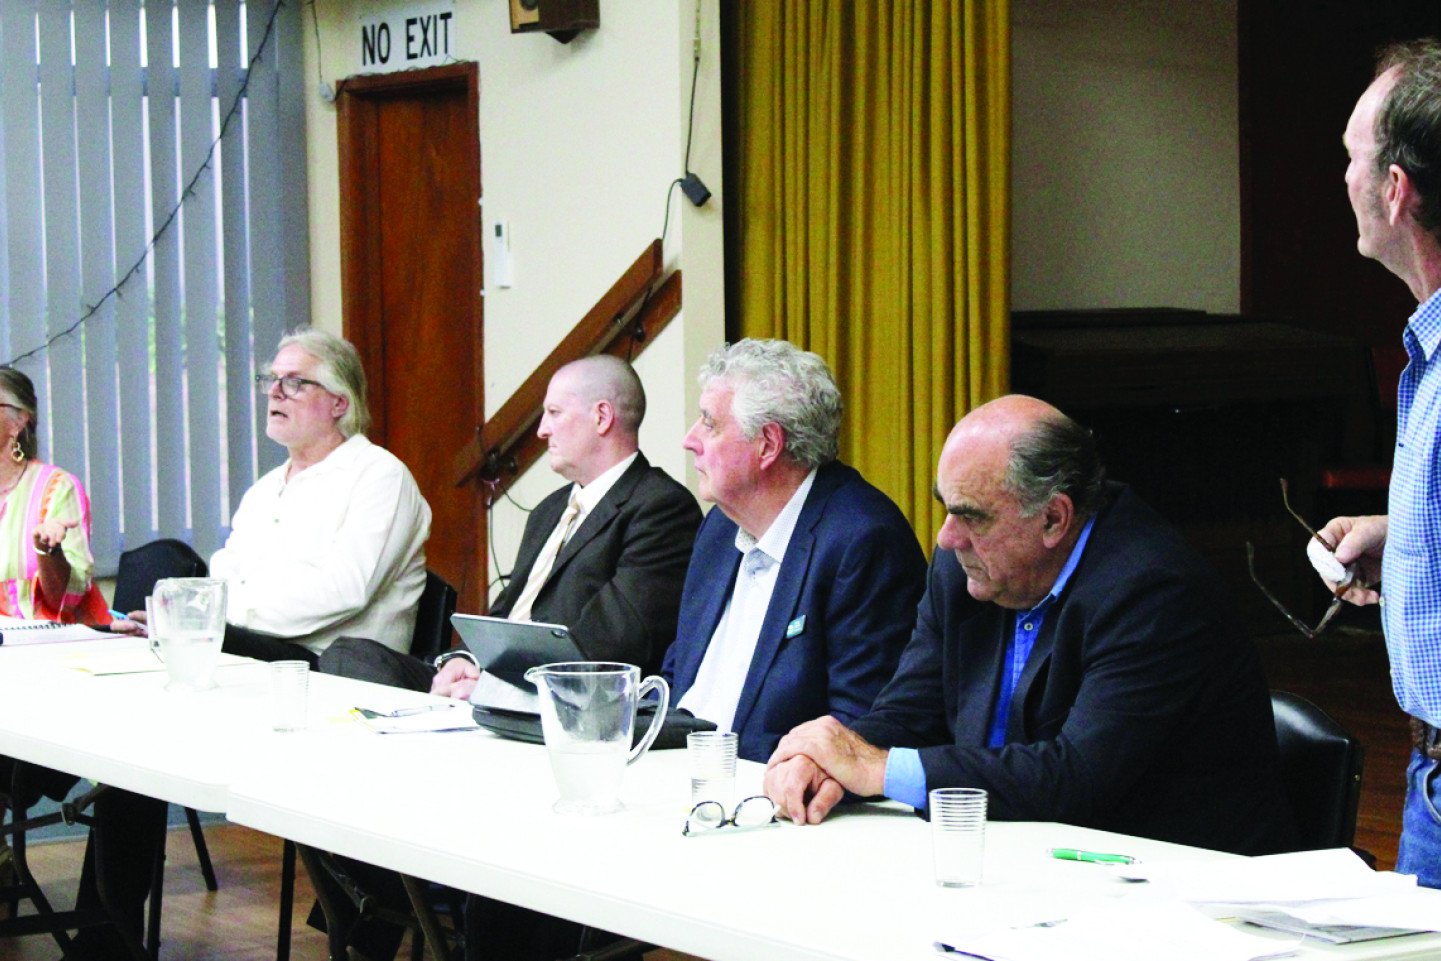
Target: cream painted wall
578,144
1126,176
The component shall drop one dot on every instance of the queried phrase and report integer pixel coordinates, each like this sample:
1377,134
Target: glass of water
958,835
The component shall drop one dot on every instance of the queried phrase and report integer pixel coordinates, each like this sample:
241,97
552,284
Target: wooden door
411,273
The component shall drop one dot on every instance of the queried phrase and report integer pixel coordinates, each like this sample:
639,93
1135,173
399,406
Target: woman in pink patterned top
45,560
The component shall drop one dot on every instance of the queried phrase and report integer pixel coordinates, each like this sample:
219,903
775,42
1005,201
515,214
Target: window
147,264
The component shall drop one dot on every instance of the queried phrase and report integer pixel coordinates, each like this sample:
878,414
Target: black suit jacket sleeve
617,582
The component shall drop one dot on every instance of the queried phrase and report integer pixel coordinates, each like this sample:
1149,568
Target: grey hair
1408,123
1056,456
604,377
19,387
340,373
775,382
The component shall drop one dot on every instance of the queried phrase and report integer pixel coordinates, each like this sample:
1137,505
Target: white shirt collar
339,459
777,538
591,494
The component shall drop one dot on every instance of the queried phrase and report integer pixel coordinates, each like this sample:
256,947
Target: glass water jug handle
657,683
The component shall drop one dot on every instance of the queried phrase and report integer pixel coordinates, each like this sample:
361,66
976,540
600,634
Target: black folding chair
1320,771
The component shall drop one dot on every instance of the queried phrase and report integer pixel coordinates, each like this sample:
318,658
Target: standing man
1394,183
1073,656
804,582
332,541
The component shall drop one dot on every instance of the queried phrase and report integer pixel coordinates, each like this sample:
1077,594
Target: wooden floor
1345,672
237,923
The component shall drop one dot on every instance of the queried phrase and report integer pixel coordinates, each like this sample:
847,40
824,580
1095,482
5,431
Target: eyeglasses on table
709,816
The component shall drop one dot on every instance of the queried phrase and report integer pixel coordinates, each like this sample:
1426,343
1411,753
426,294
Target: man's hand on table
816,763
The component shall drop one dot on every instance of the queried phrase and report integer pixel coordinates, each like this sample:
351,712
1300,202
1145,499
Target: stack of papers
15,630
1174,915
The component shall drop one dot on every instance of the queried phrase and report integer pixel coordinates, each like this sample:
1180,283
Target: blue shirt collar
1065,575
1425,325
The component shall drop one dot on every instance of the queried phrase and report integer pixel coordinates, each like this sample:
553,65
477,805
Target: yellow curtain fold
875,184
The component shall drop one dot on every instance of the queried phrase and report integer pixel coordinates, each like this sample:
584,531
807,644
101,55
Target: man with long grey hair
332,541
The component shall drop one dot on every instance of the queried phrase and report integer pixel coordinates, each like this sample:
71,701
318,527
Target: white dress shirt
718,684
339,549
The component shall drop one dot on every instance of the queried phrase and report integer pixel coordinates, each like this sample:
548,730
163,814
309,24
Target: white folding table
473,811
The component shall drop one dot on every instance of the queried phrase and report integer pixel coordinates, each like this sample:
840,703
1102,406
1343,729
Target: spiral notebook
15,631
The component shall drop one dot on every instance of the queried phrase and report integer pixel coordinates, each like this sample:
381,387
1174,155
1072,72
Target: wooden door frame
359,259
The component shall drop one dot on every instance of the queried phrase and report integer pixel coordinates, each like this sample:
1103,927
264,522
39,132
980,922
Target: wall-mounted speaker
562,19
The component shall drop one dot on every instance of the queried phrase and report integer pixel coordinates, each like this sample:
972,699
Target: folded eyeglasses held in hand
708,816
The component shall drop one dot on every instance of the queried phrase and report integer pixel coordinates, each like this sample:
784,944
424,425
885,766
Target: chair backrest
1321,771
142,567
432,617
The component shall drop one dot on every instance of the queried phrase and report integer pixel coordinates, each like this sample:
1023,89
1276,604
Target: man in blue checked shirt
1394,183
1072,655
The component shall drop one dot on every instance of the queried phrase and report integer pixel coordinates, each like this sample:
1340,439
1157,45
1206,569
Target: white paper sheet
1275,878
455,716
1140,929
131,662
1418,908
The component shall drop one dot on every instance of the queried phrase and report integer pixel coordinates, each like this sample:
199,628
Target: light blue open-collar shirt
1411,562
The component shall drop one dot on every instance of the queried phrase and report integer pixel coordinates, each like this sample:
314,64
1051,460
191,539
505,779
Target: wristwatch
440,659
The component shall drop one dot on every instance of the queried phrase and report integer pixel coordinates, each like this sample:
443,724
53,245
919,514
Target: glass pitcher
587,711
188,626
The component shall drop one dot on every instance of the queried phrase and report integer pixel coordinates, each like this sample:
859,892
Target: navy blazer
616,582
844,602
1142,708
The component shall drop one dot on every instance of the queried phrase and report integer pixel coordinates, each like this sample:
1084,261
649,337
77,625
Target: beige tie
546,560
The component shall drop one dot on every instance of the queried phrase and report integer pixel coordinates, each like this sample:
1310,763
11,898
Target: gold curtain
874,182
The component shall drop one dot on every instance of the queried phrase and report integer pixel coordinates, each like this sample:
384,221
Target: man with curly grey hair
803,585
1073,656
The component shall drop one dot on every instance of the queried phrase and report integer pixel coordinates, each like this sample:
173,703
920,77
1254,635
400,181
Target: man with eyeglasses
332,542
1072,655
1394,183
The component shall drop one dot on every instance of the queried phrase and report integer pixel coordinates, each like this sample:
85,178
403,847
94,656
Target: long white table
473,811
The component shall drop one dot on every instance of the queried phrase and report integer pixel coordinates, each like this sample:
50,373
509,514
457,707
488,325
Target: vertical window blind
153,246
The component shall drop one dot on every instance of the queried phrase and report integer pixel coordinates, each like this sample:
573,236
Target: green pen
1071,854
